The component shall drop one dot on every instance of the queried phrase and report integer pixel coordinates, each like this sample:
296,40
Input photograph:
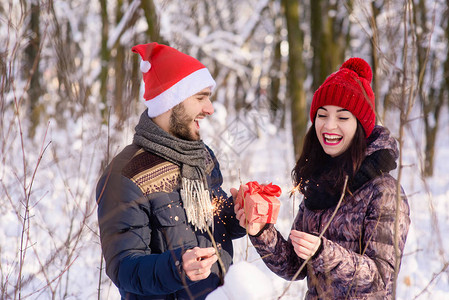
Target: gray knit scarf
194,161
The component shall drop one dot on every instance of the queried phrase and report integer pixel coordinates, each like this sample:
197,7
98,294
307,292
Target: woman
356,256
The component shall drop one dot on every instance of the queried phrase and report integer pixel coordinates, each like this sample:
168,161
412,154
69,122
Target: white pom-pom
145,66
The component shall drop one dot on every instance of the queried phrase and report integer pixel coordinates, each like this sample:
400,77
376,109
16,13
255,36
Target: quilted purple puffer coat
358,255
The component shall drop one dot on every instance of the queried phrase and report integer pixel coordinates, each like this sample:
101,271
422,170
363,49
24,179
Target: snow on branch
117,32
251,24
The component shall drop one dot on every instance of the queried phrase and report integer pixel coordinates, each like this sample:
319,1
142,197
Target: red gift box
259,201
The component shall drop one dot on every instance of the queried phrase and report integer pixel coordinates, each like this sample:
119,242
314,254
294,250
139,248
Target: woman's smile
331,139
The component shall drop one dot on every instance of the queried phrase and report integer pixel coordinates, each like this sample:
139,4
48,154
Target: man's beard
180,124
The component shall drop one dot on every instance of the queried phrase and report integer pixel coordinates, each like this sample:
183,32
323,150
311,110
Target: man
166,226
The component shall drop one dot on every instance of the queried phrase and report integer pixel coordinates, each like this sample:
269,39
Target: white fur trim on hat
183,89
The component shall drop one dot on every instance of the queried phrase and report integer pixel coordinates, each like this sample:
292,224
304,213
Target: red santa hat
170,76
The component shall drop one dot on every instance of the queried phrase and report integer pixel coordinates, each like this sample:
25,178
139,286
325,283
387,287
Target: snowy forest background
70,98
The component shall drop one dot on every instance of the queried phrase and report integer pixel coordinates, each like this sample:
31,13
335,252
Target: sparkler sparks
221,206
218,204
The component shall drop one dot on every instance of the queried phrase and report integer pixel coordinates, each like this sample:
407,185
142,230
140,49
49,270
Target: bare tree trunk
338,34
296,74
275,71
239,94
152,18
126,80
32,54
135,77
318,42
431,102
375,10
105,57
120,72
329,39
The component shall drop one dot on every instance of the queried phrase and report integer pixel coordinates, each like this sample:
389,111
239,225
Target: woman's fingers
234,193
303,252
305,236
305,244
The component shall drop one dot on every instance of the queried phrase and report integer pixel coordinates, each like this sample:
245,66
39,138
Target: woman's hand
305,244
251,228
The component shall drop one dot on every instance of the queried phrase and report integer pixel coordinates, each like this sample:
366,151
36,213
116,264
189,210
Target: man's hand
305,244
251,228
197,262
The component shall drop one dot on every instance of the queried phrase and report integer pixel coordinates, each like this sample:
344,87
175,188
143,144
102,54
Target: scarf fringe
197,204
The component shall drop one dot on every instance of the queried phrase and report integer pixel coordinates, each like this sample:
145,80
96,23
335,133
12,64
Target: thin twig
107,161
434,277
214,244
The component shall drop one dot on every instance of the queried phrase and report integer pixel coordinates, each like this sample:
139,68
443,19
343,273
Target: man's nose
208,108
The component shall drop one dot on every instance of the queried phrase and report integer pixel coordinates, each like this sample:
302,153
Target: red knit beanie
349,88
170,76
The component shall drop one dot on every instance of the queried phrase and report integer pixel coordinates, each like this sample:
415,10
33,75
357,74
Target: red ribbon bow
269,189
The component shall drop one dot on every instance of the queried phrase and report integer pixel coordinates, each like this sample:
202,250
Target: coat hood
380,139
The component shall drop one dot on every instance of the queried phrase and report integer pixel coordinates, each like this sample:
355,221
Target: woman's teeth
332,138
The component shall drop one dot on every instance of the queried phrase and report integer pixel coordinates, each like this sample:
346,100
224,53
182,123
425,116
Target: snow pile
244,281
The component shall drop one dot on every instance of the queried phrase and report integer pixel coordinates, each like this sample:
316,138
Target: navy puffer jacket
144,230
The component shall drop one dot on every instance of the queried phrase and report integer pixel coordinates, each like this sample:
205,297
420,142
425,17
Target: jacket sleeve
372,268
125,233
277,253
